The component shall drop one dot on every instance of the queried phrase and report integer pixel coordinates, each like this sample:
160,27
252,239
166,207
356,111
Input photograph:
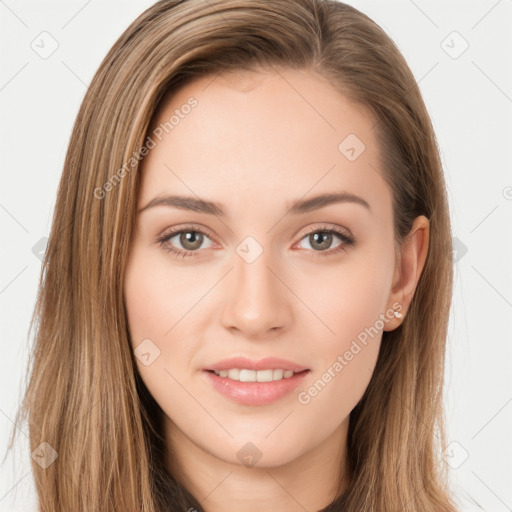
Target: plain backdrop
460,53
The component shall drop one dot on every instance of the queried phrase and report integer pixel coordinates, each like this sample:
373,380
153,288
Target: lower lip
255,393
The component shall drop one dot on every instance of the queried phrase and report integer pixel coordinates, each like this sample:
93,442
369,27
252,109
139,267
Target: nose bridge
257,299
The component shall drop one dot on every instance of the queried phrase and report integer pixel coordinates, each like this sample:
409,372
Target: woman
245,295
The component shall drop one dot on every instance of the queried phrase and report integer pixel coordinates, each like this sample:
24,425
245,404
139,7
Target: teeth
278,374
247,375
244,375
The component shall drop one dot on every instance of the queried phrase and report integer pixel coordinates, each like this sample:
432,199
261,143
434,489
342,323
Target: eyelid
187,227
326,227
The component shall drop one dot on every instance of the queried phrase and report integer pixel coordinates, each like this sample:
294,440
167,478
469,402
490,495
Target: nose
258,302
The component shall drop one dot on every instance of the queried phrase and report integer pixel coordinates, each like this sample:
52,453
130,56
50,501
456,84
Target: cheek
352,305
157,297
349,297
157,302
146,303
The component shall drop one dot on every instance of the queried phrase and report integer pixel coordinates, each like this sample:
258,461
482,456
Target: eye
186,242
322,238
190,240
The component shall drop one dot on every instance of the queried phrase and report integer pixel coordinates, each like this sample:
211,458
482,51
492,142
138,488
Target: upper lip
267,363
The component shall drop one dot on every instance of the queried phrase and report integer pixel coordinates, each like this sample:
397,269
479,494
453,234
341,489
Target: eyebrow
212,208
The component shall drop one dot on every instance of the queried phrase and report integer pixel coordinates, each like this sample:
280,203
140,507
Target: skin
254,143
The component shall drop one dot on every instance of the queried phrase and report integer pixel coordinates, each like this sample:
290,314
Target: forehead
261,134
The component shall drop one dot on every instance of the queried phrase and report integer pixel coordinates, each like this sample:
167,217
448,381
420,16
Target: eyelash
347,241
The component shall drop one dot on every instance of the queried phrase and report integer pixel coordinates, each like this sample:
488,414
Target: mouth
252,382
245,375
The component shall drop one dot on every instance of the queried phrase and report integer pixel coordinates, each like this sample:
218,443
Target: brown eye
184,242
191,240
320,240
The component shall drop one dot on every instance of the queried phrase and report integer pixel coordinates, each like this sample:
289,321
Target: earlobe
413,254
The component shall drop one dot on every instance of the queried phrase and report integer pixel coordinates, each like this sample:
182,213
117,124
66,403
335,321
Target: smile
243,375
245,388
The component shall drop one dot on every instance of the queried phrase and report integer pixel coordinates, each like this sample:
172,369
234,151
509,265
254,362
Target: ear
408,268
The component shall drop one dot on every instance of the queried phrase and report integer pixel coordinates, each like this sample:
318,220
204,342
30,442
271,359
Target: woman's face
246,180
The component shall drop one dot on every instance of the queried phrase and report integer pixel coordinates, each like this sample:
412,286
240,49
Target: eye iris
324,239
191,240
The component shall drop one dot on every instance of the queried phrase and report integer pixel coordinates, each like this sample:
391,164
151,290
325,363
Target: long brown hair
84,396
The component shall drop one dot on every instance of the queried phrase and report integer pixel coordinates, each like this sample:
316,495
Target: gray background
468,92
